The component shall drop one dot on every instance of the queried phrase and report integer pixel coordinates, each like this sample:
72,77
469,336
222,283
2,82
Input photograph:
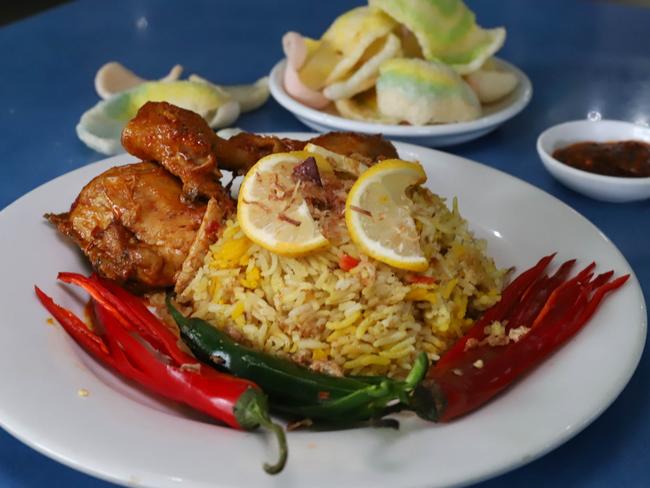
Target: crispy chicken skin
215,214
179,140
132,225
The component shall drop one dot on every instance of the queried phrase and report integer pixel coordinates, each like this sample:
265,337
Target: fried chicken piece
243,150
133,225
182,142
365,147
179,140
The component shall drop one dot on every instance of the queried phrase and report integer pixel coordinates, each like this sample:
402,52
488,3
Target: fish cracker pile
412,62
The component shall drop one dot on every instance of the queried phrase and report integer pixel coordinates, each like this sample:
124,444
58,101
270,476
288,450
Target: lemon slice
271,210
339,162
378,214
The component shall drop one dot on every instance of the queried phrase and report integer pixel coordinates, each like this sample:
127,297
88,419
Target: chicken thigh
132,224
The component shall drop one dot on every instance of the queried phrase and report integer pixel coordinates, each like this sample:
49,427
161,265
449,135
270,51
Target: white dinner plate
438,135
121,434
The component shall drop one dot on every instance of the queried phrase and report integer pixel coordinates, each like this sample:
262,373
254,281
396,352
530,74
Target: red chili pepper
237,402
471,376
536,296
509,298
419,279
564,295
347,262
74,326
130,310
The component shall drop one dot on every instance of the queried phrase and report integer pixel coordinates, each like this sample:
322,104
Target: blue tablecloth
582,57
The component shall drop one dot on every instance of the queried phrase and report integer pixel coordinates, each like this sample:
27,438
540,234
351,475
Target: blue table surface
581,57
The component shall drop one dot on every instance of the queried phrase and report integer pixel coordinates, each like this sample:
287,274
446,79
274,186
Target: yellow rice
369,320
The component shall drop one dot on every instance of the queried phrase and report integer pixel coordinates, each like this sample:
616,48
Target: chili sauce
628,159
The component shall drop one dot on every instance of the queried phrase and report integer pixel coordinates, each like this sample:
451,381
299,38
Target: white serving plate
121,434
438,135
600,187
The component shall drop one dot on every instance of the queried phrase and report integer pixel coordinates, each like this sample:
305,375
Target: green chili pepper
283,380
296,390
368,402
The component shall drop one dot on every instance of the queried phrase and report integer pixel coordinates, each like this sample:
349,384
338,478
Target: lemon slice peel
378,214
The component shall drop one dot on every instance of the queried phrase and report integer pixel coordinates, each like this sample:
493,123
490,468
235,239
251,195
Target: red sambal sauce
629,159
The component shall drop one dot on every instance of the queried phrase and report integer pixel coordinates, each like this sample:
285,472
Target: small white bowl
438,135
599,187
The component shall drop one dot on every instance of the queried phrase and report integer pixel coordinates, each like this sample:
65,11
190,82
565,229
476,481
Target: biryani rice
370,320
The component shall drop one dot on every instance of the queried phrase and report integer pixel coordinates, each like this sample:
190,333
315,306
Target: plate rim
402,147
300,110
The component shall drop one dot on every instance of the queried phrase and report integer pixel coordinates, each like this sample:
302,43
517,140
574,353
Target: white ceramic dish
121,434
599,187
440,135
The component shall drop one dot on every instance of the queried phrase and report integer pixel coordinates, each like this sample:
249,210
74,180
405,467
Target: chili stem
251,411
419,369
282,445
